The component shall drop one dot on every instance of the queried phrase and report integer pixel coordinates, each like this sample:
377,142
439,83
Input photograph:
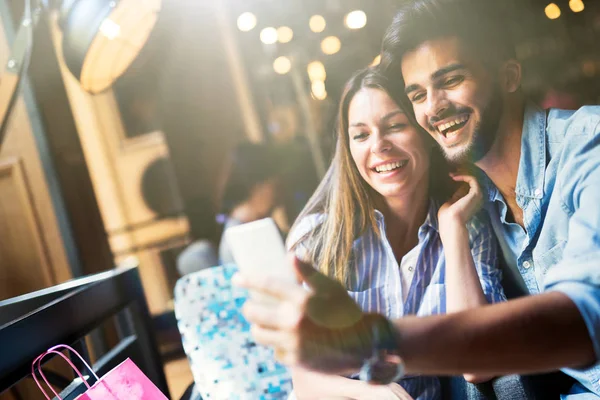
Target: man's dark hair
479,25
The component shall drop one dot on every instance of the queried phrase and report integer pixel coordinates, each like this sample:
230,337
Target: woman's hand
320,329
396,391
463,204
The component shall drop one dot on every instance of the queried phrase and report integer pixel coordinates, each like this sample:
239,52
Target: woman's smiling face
390,153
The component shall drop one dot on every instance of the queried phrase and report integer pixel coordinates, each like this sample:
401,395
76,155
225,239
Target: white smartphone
257,248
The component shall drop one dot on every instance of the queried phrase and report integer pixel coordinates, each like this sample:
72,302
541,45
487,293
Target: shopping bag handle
53,350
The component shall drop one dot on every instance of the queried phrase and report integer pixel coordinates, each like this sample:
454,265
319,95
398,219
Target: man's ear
510,76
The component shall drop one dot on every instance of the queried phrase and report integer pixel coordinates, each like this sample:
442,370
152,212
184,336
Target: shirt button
538,192
410,269
526,264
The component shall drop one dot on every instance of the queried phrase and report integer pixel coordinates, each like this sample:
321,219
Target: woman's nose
381,144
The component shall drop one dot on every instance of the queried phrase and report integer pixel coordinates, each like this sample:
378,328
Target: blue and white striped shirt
376,281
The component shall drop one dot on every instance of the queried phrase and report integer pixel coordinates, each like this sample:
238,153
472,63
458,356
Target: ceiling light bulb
331,45
246,22
268,35
552,11
356,19
282,65
317,23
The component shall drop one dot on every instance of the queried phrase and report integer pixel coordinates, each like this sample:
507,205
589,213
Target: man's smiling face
454,98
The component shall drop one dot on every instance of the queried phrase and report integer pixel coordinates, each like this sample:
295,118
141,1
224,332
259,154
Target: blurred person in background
560,97
252,188
383,223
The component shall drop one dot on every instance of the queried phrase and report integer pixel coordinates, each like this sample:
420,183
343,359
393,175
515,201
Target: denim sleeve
484,250
578,273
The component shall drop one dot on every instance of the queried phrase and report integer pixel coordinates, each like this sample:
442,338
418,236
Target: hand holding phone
257,248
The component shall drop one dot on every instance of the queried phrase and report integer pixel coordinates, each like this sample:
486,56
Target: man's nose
437,103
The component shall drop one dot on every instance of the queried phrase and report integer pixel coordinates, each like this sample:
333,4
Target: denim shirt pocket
549,258
370,300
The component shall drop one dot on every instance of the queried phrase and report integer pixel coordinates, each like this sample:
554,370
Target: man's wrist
384,364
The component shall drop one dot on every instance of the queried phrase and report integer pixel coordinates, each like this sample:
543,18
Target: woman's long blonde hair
343,197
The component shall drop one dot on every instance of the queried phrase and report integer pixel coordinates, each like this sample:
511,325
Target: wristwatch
385,364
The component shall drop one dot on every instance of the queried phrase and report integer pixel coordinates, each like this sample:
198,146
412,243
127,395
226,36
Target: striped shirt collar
431,220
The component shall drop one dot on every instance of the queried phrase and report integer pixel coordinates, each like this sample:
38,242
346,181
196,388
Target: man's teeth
448,125
391,166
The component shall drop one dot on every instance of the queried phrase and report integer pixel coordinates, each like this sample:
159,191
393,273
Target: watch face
383,369
386,371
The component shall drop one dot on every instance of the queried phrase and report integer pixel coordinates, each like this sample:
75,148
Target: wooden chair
66,313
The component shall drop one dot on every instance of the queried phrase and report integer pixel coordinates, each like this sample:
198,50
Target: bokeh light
331,45
356,19
576,5
246,22
282,65
316,71
318,90
552,11
317,23
285,34
268,35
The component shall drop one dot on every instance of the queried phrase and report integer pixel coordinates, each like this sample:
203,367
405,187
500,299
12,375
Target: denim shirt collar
532,165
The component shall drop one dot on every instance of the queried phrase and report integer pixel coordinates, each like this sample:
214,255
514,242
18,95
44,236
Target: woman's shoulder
479,225
303,227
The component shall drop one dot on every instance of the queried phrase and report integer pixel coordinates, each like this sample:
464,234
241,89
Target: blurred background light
282,65
552,11
317,23
356,19
268,35
316,71
246,22
284,34
318,90
576,5
331,45
110,29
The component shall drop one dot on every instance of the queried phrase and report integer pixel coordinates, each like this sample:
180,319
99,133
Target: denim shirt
558,189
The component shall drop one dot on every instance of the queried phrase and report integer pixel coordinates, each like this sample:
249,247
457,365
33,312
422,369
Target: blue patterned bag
226,362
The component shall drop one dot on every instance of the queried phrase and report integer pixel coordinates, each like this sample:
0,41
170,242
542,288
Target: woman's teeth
391,166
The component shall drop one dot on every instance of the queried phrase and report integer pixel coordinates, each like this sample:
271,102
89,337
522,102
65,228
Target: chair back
65,314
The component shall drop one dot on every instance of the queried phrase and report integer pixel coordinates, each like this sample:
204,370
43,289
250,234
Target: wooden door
32,251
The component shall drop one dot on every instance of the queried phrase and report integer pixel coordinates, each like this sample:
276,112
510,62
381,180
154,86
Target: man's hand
318,329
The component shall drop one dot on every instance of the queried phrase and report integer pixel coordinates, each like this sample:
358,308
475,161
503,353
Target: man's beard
483,135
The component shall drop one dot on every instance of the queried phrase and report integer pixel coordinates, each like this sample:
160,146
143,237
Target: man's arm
529,335
538,333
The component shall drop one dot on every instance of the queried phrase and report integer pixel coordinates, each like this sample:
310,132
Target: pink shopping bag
124,382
